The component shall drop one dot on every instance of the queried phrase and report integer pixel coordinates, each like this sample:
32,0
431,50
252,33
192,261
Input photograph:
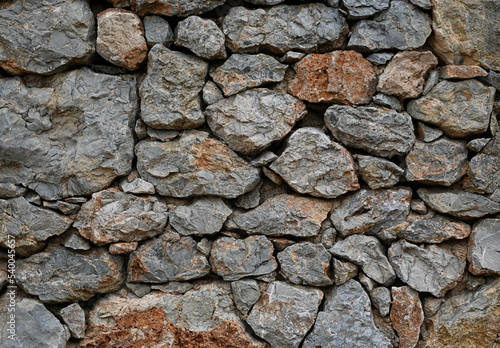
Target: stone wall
258,173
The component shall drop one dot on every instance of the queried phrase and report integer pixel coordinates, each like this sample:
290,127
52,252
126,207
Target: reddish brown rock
339,77
461,72
406,315
120,38
405,74
122,248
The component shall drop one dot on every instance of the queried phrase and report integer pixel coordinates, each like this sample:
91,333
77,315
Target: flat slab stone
434,229
484,248
171,8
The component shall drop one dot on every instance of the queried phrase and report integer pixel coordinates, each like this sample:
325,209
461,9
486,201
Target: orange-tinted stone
407,315
462,72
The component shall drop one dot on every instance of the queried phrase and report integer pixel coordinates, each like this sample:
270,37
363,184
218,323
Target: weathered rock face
407,315
252,120
346,319
45,38
202,37
284,314
65,275
28,226
283,215
70,138
435,229
279,29
157,31
246,293
193,165
361,9
180,8
403,26
380,132
378,172
459,108
461,72
312,163
74,316
343,271
484,247
484,168
343,77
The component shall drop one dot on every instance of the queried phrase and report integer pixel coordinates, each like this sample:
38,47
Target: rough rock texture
283,215
279,29
378,172
194,164
233,259
28,226
180,8
434,229
170,91
70,138
252,120
123,248
427,134
407,315
403,26
380,58
484,168
306,263
65,275
202,37
381,298
312,163
137,186
211,93
361,9
346,320
380,132
157,31
388,101
113,216
343,271
405,74
120,38
459,108
246,293
74,316
461,72
343,77
484,247
284,314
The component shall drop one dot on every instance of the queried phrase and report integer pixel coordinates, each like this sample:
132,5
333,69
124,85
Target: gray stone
431,81
33,197
162,134
346,320
211,93
63,207
28,226
403,26
71,137
418,206
361,9
477,144
65,275
263,159
312,163
194,165
306,263
434,229
139,289
11,190
140,129
493,79
369,211
265,2
252,120
380,132
112,216
380,58
35,327
75,241
179,8
432,268
368,283
460,108
292,57
74,316
484,247
283,28
343,271
427,134
458,203
424,4
284,314
205,246
484,168
176,288
204,216
157,31
137,186
246,293
381,298
388,101
45,38
249,200
202,37
233,259
368,253
378,172
170,91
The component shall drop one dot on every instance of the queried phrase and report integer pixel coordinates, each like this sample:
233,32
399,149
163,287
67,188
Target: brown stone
461,72
407,315
122,248
405,74
339,77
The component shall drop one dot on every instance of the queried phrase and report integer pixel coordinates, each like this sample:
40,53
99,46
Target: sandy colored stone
461,72
407,315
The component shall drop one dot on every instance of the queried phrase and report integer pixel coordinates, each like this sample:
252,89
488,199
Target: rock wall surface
250,173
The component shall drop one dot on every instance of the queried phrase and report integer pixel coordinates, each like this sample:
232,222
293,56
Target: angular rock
263,159
407,315
484,248
74,316
283,28
205,216
211,93
405,74
292,57
424,4
477,144
431,81
418,206
122,248
137,186
461,72
381,298
458,203
162,134
252,120
343,271
113,216
27,226
427,134
157,31
346,320
243,71
64,275
343,77
171,8
388,101
233,259
71,137
442,162
435,229
484,168
433,268
170,91
167,258
249,200
361,9
284,314
12,191
378,172
306,263
403,26
368,253
246,293
193,165
283,215
380,132
380,58
312,163
63,207
75,241
202,37
460,109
